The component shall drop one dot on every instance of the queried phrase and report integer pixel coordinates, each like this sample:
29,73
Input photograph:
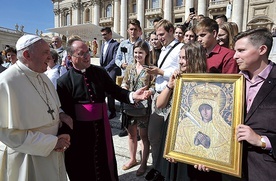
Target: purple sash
96,111
89,112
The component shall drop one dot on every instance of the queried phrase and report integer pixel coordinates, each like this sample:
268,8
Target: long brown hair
196,57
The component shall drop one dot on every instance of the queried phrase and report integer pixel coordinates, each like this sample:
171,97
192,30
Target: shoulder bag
137,109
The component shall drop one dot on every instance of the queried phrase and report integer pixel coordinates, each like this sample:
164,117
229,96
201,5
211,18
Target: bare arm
164,97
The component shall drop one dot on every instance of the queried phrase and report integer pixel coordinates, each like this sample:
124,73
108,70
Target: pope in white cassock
30,149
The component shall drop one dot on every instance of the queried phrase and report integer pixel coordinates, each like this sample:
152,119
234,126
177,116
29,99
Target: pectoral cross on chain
51,111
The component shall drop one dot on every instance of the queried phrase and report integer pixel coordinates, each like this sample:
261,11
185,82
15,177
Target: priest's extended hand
139,94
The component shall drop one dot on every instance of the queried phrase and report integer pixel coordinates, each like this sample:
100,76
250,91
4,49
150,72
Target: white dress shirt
169,66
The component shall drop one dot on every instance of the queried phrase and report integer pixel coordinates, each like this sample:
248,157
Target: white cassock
27,131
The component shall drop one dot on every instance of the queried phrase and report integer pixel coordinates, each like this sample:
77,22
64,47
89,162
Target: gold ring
65,148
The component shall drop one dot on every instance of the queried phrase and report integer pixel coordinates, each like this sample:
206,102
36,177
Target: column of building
141,14
237,13
96,12
168,10
116,18
57,19
123,19
76,13
96,19
202,7
61,17
188,4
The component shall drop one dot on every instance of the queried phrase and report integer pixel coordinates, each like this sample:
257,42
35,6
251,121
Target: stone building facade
116,13
8,37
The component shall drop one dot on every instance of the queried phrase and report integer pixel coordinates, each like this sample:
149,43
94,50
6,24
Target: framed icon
205,111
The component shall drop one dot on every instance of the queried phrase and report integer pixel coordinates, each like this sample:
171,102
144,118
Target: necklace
50,111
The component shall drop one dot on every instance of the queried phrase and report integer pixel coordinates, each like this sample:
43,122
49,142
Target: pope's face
39,56
81,55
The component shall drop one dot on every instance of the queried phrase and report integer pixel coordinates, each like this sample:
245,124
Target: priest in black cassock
82,94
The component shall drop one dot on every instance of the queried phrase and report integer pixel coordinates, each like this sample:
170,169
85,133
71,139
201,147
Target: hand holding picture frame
205,112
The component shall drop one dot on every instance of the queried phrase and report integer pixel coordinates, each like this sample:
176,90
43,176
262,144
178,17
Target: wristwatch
263,146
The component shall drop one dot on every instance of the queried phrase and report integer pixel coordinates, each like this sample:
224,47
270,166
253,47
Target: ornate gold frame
187,138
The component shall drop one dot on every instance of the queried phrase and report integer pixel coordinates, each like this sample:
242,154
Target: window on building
109,10
67,19
155,4
179,3
87,16
178,20
217,1
134,8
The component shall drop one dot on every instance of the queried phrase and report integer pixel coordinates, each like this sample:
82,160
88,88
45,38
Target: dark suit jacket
261,164
108,61
2,68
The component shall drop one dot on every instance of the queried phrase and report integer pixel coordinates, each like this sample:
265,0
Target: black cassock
82,95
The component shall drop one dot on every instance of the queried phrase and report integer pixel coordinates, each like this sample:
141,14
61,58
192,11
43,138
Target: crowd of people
54,119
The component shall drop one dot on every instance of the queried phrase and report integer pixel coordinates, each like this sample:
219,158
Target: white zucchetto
25,41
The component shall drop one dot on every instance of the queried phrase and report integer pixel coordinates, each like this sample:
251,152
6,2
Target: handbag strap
168,54
138,77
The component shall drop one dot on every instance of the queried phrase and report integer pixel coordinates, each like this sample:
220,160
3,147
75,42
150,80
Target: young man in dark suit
107,61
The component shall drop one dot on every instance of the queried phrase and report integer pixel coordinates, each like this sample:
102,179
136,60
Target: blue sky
33,14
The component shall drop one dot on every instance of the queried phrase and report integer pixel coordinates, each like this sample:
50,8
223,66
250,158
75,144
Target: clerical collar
26,69
78,70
